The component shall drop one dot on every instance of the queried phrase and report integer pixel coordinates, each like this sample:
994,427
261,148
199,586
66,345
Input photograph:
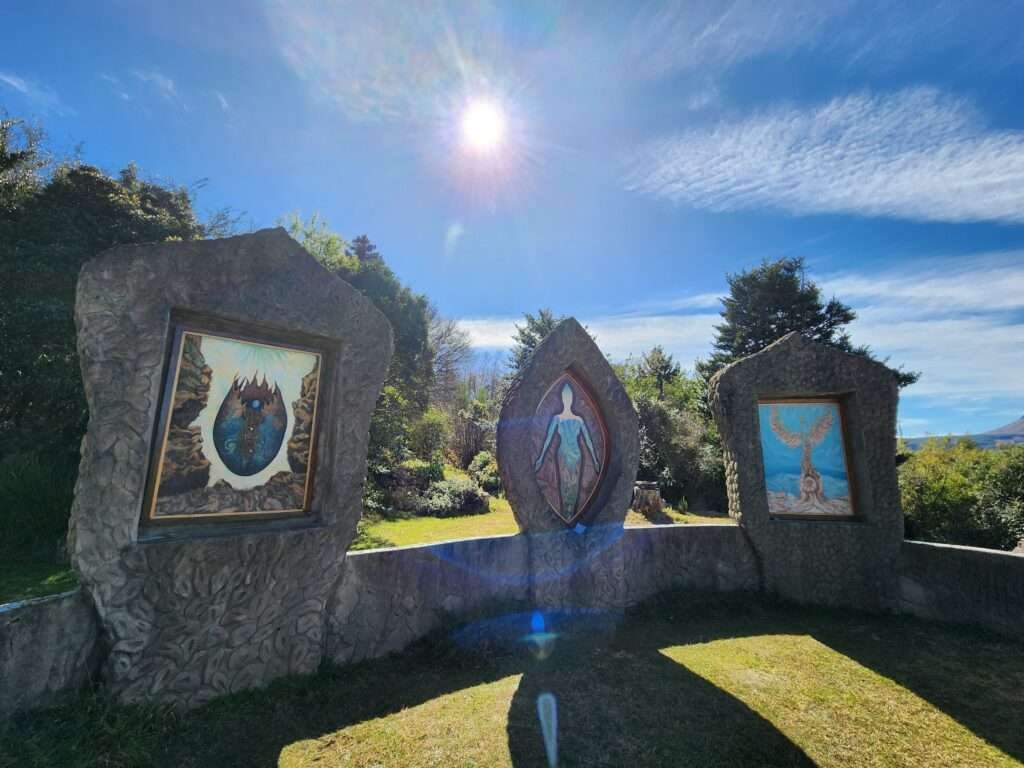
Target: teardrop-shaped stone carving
567,439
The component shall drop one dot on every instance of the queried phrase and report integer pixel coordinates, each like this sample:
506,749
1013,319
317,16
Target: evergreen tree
363,250
771,300
529,335
659,367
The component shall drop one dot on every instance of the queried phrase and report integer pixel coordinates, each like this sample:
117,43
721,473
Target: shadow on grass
620,701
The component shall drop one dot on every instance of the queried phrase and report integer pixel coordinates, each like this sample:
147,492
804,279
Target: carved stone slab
191,612
568,441
837,561
568,448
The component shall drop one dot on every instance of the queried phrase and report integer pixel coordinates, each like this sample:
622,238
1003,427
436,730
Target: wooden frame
187,323
840,403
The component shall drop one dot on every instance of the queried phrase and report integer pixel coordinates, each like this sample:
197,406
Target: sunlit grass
686,680
498,522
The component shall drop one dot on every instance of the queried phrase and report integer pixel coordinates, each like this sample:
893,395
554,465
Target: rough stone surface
574,566
964,585
194,612
851,563
390,598
49,648
568,347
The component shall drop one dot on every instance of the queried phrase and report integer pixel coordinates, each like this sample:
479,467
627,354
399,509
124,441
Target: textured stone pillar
193,608
850,561
568,448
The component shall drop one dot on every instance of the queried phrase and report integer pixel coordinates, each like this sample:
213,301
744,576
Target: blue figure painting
804,453
570,458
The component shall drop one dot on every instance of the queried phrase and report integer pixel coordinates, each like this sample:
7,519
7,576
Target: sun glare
483,126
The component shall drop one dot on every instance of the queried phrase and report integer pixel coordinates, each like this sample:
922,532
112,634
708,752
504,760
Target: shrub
453,497
484,469
35,504
429,434
961,494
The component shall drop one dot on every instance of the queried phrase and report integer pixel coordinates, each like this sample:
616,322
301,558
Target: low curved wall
389,598
963,585
48,647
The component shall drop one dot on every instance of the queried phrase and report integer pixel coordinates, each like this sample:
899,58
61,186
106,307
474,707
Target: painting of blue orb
250,426
238,433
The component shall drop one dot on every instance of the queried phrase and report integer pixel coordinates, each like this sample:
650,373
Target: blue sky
650,149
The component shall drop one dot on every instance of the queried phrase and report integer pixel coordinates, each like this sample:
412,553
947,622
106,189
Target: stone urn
647,498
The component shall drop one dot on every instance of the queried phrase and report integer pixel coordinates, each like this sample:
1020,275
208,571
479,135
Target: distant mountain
1008,434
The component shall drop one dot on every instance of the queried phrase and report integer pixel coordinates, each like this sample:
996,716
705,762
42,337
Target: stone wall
49,648
390,598
963,585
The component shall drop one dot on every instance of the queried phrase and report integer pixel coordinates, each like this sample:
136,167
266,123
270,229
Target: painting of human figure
569,446
237,435
805,462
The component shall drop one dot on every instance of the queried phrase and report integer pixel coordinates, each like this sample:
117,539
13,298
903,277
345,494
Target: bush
453,497
35,504
484,469
961,494
429,434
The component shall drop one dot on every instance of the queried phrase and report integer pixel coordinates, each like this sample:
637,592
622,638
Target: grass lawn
498,522
22,579
685,681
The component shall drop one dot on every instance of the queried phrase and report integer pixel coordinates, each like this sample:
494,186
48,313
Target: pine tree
771,300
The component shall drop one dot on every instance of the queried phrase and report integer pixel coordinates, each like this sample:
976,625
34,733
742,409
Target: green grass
498,522
20,580
686,680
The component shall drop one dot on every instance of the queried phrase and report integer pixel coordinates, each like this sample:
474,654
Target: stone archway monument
230,385
568,449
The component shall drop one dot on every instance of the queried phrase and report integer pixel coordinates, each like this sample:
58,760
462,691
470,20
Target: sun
483,126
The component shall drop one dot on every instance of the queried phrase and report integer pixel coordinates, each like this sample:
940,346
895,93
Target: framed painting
237,430
569,446
806,467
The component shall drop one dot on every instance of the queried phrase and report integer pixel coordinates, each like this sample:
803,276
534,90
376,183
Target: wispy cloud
161,84
960,321
116,87
222,101
40,96
710,34
915,154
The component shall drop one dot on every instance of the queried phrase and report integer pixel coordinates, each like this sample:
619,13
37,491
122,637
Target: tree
659,367
451,350
362,266
771,300
529,335
51,222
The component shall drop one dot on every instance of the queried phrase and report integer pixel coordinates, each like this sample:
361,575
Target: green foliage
362,266
389,430
453,497
958,493
484,469
773,299
529,335
424,472
473,423
35,501
50,225
429,434
679,451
